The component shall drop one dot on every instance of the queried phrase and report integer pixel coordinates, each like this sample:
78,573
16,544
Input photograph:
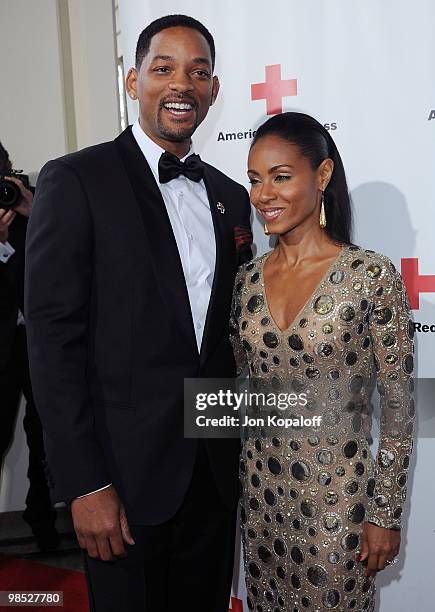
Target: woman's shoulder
374,263
377,274
253,266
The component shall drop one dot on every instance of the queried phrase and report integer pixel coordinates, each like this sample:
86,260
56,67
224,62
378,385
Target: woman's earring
266,231
322,219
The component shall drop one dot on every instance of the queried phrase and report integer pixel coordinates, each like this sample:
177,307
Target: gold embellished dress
308,491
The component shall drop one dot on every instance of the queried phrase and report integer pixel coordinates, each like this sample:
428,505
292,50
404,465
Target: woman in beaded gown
320,316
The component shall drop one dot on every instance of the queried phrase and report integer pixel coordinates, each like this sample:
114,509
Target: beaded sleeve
392,331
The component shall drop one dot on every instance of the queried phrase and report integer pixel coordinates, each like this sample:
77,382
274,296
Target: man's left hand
25,206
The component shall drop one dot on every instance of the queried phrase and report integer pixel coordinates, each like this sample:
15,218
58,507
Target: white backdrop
366,70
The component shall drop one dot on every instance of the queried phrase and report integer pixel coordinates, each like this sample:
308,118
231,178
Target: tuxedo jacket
110,331
12,288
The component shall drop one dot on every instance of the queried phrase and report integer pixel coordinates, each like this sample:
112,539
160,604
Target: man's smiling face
174,85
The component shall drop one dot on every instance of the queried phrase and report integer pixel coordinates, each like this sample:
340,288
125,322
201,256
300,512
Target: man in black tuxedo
14,365
132,252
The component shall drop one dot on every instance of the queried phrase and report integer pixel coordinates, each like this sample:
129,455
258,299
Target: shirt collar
151,150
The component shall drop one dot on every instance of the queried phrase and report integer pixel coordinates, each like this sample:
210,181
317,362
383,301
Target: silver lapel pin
221,207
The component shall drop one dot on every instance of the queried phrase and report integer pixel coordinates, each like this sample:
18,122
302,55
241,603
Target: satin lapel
217,314
157,226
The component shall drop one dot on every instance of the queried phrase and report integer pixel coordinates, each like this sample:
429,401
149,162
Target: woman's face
285,190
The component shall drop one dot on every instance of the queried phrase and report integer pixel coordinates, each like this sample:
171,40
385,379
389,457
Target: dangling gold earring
266,231
322,219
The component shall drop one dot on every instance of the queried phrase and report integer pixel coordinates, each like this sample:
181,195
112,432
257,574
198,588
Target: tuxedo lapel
158,230
223,279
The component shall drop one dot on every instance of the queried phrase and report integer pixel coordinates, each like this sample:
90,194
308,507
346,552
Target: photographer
14,369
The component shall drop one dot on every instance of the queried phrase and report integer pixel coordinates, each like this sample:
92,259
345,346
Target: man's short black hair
171,21
5,162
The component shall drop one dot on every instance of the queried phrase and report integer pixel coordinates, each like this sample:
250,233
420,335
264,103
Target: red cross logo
416,283
236,605
274,89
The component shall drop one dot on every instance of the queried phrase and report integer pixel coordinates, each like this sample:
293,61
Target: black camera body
10,194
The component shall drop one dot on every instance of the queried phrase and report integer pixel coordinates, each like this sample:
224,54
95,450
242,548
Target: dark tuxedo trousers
111,340
15,379
185,563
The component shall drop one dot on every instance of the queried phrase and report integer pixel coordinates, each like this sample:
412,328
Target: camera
10,194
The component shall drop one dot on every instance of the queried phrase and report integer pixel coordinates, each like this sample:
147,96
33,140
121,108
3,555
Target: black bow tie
171,167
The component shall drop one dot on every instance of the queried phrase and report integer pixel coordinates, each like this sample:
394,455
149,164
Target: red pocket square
242,236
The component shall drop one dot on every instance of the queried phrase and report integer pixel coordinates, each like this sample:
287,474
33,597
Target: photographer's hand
25,206
6,218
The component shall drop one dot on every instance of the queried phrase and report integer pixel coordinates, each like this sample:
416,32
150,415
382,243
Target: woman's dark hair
316,144
5,162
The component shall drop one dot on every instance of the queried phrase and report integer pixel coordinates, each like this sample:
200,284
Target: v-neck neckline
310,297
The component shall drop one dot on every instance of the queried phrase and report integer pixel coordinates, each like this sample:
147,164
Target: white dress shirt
6,252
189,212
192,224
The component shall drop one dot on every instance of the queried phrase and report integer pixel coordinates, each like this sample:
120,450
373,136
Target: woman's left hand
379,545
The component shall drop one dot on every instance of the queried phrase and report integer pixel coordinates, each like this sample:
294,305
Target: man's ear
215,90
131,83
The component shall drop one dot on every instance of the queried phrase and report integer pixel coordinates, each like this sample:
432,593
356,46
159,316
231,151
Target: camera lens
10,194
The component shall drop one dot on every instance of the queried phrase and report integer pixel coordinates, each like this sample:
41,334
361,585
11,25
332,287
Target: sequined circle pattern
307,494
